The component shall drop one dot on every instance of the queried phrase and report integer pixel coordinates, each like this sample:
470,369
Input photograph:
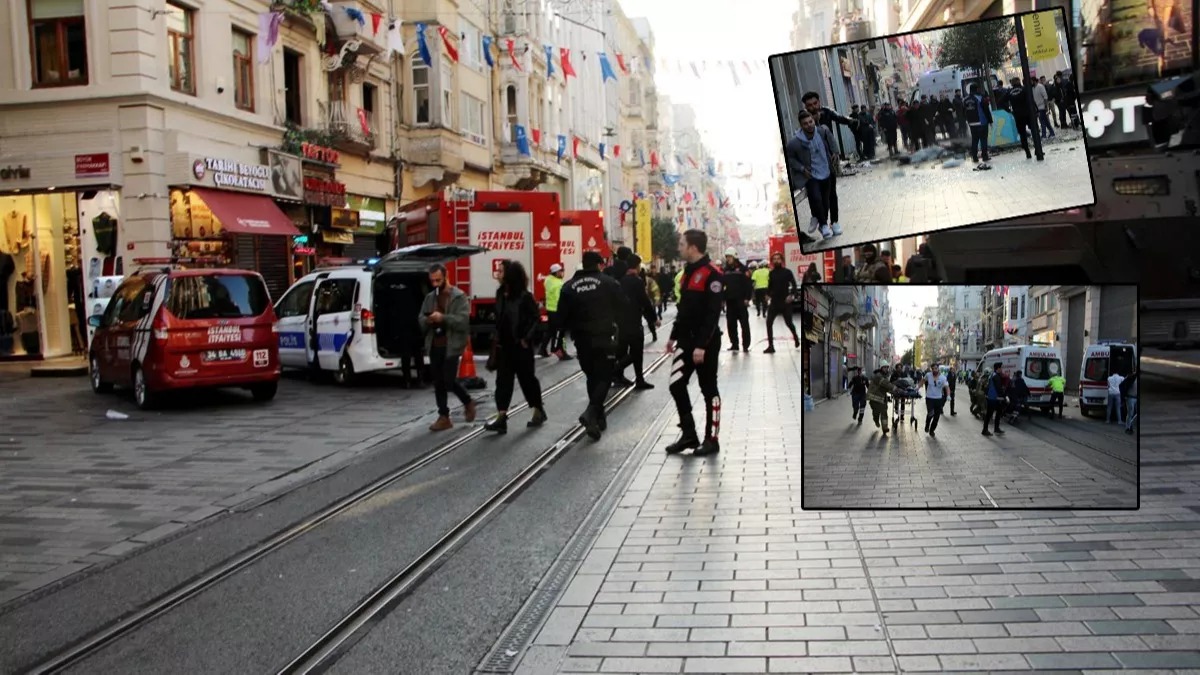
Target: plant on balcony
294,137
305,8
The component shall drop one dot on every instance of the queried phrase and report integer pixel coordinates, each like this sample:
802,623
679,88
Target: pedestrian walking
1041,100
782,284
637,307
996,397
902,121
812,275
1067,99
655,295
664,281
979,118
811,162
960,119
554,342
866,131
517,322
929,108
739,290
858,393
1018,105
878,391
761,277
1053,97
1115,409
937,389
845,271
445,321
1130,392
1058,388
591,303
826,117
946,116
951,381
858,137
698,335
916,125
888,122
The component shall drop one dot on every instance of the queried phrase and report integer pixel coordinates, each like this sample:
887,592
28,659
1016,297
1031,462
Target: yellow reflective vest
762,278
553,290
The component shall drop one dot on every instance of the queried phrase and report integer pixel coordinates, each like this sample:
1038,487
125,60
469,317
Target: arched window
420,86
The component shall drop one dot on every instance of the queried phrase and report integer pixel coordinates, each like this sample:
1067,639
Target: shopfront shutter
363,248
1118,313
267,255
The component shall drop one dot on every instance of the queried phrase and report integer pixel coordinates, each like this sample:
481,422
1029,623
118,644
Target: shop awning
247,214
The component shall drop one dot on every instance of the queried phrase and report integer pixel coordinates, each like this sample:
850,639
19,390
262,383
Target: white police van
359,318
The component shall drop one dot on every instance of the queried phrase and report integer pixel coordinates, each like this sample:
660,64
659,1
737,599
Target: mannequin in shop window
104,228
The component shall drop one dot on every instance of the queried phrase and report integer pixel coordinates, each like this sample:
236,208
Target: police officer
738,292
698,335
633,337
589,307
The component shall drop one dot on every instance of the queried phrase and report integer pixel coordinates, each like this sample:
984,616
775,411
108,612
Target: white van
1099,361
1036,364
359,318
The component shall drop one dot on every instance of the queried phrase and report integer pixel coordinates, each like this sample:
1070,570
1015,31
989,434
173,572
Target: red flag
376,17
616,151
445,33
537,136
575,146
568,71
363,122
512,54
712,201
693,162
621,63
653,159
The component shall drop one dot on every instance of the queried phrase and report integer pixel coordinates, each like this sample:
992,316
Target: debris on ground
114,415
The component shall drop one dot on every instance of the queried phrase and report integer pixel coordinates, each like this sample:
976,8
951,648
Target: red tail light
160,327
368,321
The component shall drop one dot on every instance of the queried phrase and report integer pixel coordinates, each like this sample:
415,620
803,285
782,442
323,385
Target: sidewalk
850,466
711,566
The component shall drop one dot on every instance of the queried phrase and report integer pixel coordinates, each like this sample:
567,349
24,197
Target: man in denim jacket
812,162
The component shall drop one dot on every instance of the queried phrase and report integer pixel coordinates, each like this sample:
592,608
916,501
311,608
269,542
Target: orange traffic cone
466,370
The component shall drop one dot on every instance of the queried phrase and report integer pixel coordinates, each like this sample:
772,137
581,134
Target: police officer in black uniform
632,337
589,307
738,292
698,335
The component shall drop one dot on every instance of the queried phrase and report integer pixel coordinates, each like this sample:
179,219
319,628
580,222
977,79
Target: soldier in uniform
590,305
698,335
880,388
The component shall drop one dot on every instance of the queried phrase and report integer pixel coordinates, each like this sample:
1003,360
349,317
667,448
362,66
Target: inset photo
953,396
937,129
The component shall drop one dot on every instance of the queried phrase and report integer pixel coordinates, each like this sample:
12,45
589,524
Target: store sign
320,189
318,153
230,175
17,172
1115,118
344,219
372,213
92,166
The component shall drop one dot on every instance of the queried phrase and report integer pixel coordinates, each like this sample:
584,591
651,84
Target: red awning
247,214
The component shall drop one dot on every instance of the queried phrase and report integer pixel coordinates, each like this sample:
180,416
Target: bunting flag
642,156
606,70
562,146
653,159
574,146
445,33
568,69
268,34
621,63
737,82
364,123
549,61
512,54
671,180
487,51
692,161
712,200
423,45
602,148
616,151
537,136
356,14
395,40
376,17
522,140
695,69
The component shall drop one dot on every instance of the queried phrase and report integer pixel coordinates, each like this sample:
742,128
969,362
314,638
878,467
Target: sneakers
539,418
813,224
710,446
687,442
837,229
443,423
826,232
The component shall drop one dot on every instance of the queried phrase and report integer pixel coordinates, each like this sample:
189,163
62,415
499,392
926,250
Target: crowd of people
877,266
606,310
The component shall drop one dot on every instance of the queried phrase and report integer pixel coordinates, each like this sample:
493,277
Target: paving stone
934,646
685,649
848,648
606,649
641,665
809,664
725,665
986,662
1073,660
774,648
1130,627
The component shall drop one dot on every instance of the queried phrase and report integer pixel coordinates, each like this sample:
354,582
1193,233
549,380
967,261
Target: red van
169,329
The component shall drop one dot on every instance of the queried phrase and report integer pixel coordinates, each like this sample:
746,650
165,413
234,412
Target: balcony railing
353,129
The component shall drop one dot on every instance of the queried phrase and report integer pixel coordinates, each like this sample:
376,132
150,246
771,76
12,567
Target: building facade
1074,317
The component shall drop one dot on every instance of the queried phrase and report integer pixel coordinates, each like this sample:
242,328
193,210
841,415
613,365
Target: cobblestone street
713,567
878,205
851,466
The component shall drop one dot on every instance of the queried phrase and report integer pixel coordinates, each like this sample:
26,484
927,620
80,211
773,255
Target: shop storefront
59,234
813,311
371,219
224,214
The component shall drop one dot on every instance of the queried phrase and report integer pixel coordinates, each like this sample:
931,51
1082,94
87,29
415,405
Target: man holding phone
445,321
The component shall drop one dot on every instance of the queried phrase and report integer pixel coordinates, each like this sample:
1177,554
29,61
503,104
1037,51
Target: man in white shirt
1114,398
937,387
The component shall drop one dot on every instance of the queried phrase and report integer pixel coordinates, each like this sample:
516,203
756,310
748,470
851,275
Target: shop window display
197,233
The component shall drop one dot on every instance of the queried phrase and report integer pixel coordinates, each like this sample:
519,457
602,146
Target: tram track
124,626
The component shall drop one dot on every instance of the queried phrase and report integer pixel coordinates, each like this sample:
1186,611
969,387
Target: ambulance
1037,364
1099,361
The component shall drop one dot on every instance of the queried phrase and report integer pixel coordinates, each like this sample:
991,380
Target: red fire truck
513,225
582,231
797,261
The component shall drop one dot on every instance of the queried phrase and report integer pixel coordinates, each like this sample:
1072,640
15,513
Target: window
472,46
1042,369
218,296
510,107
472,119
296,302
58,41
420,79
1012,310
136,298
1096,369
1023,307
243,70
336,295
447,85
368,104
180,43
293,87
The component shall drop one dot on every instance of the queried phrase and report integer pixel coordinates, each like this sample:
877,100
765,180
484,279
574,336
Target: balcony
351,130
435,155
347,29
867,320
847,299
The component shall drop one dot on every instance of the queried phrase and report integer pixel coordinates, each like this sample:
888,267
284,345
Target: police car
360,318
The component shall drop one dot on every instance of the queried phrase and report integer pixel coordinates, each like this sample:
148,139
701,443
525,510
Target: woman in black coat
517,320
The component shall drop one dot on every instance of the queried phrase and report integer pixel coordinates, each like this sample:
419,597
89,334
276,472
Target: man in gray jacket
445,321
812,163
